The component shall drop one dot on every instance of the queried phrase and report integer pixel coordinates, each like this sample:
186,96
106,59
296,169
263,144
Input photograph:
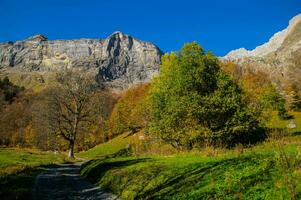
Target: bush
9,90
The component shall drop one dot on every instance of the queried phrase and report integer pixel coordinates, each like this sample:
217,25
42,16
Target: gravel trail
64,182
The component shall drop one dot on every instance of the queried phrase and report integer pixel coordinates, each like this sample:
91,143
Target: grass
275,122
18,169
254,174
111,147
249,176
270,170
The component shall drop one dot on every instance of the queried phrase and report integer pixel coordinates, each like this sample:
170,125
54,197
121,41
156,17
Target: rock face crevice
119,60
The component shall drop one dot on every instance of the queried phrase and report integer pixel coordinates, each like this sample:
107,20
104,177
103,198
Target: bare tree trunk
72,141
71,149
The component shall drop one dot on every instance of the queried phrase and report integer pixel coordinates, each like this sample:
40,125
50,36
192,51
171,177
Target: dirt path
64,182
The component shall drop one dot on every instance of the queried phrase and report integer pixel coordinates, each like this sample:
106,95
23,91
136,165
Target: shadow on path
64,182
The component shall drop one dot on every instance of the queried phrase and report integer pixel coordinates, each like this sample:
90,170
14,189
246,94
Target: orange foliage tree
259,90
130,113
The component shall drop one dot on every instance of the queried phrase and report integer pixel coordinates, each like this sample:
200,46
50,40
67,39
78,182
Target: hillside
259,172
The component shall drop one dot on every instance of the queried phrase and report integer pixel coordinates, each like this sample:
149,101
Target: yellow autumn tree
130,113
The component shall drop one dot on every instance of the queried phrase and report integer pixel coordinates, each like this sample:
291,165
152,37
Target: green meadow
269,170
18,169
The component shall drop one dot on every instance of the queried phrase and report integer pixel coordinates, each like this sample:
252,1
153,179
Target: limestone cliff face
119,60
280,57
276,42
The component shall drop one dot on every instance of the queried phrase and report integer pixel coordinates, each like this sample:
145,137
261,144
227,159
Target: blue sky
218,25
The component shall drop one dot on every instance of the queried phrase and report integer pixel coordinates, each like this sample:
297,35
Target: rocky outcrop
119,60
277,41
280,58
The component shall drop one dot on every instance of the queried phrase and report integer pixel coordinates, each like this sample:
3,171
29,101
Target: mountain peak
279,58
274,43
118,34
295,20
38,37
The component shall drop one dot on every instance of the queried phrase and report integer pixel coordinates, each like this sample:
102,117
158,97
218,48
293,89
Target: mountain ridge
270,46
118,61
280,58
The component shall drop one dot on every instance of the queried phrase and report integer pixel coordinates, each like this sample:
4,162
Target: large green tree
194,103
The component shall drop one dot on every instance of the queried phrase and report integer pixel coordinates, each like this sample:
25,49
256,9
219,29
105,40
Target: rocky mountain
275,42
118,61
280,57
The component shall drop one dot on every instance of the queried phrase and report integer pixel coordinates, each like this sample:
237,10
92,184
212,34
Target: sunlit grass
18,169
109,147
250,175
13,160
276,122
255,172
